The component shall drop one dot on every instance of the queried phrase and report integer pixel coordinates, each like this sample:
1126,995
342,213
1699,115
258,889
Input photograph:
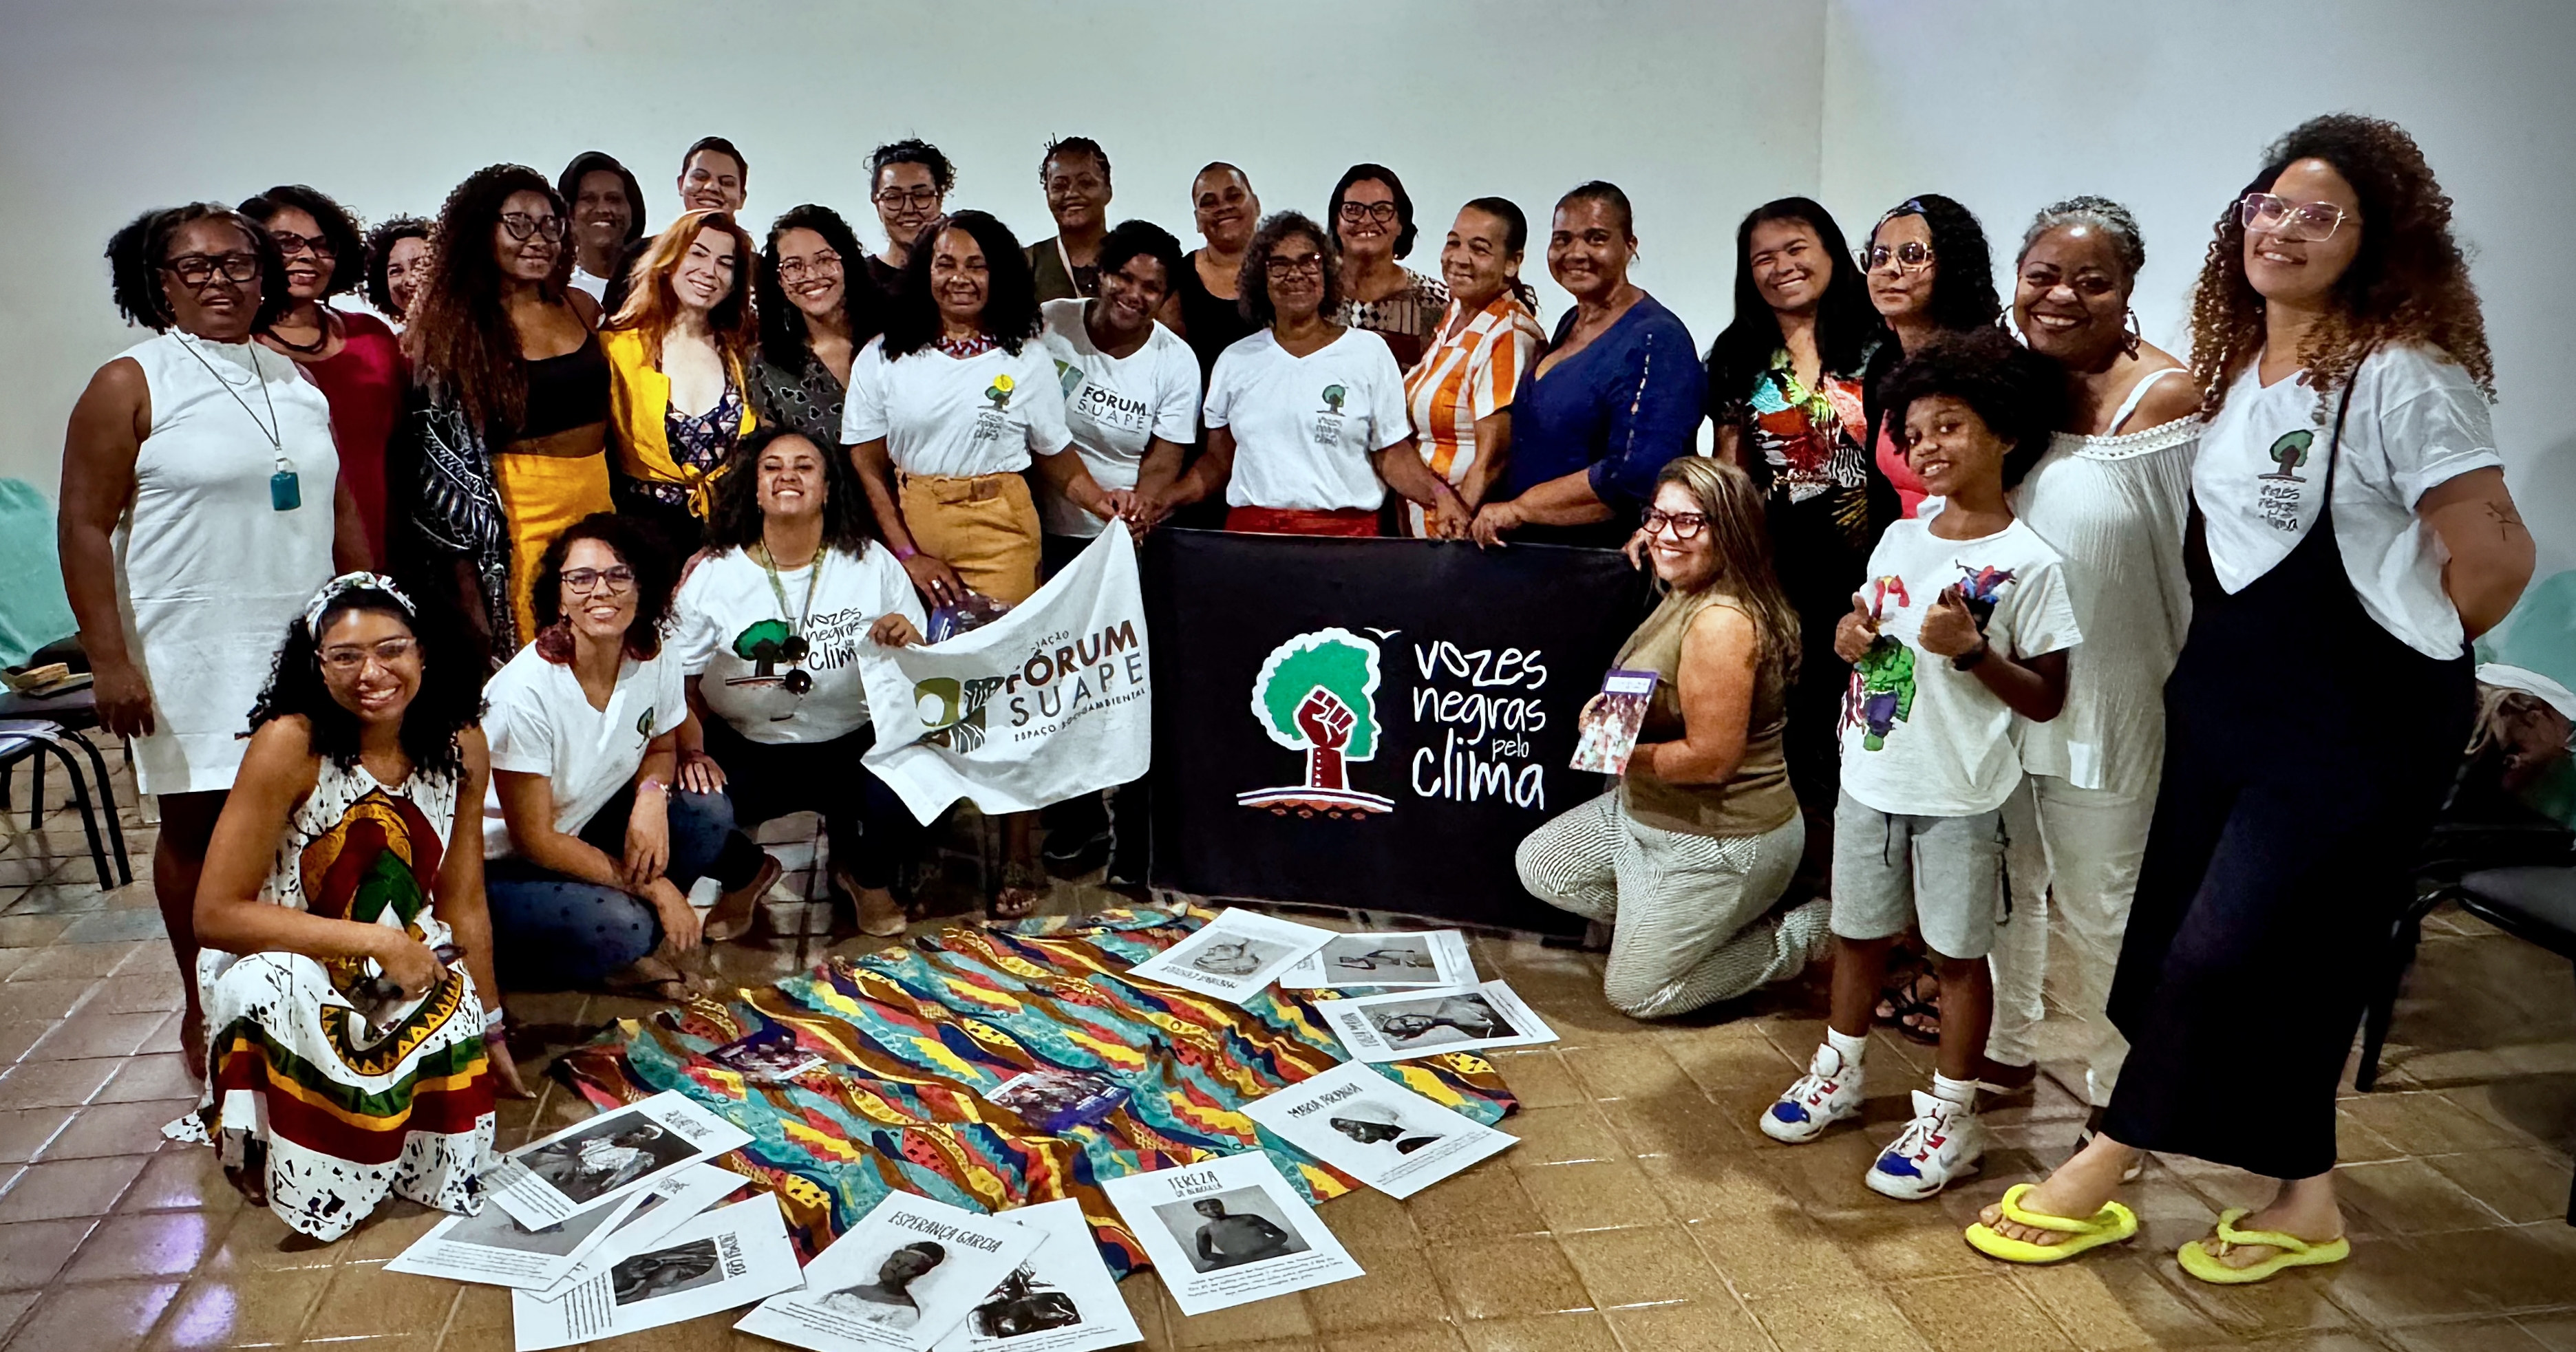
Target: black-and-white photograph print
664,1272
595,1162
1374,1123
1400,957
1237,957
1024,1304
1230,1229
1437,1021
492,1228
887,1299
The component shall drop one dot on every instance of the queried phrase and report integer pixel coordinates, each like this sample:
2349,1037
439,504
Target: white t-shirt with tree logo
733,634
1304,427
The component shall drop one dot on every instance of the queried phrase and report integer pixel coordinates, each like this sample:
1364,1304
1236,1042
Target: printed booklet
1061,1299
1419,1023
623,1150
1228,1232
1375,1129
1610,721
903,1278
1413,958
1235,956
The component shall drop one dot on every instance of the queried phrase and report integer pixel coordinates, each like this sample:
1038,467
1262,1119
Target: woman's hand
408,963
124,698
894,630
699,772
1146,510
1635,549
1449,517
648,840
1856,632
505,1068
935,580
1492,521
679,919
1948,629
1109,504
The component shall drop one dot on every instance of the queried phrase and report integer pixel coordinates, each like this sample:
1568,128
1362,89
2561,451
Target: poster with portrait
1235,956
666,1206
492,1247
1061,1298
1229,1231
1375,1129
1404,1024
720,1259
903,1277
1412,958
623,1150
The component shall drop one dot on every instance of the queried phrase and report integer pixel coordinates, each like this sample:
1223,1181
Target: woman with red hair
677,350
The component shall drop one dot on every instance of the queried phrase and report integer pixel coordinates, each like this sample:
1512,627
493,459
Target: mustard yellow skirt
986,527
542,496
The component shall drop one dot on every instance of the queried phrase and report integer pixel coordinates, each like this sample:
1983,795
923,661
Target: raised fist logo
1317,694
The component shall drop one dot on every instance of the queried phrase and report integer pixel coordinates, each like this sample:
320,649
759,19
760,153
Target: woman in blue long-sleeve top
1616,397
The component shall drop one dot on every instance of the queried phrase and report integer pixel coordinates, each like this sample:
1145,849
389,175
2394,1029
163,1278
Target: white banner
1052,700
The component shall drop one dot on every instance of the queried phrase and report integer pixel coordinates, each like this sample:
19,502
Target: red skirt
1350,521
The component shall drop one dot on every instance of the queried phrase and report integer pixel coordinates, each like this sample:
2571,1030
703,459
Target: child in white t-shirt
1962,625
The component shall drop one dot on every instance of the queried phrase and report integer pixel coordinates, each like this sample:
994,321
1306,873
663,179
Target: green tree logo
1317,693
2290,452
762,645
1333,397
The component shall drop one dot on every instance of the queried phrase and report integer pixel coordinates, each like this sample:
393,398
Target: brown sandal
732,915
1024,888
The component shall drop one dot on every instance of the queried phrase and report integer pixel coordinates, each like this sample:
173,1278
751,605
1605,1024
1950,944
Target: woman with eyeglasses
677,354
2111,495
1074,174
772,626
812,322
397,260
2359,534
201,504
355,358
1372,220
590,843
1687,856
357,1030
1929,273
1306,424
511,438
909,182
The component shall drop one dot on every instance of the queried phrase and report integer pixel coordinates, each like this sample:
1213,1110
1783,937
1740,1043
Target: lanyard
813,576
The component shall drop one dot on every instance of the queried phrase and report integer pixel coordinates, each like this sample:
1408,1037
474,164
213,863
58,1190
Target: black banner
1372,723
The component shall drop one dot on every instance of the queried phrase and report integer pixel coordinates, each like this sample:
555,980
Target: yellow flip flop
2109,1225
2294,1252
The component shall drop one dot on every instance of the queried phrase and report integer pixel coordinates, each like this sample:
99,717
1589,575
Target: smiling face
791,480
2303,272
1899,291
1588,248
217,309
1790,266
960,280
406,263
1683,564
1226,210
707,272
602,613
1294,273
1477,260
2070,297
531,259
1130,295
309,261
371,665
1948,445
907,198
812,274
1077,192
601,213
1367,222
711,181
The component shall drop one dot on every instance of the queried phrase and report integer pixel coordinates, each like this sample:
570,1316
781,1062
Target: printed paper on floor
665,1207
1235,956
1228,1232
1061,1298
1424,958
1375,1129
592,1163
1407,1024
902,1278
494,1249
720,1259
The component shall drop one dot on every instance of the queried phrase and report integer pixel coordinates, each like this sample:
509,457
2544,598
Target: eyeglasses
793,270
583,581
1361,211
290,243
199,269
1912,256
521,225
349,658
1686,525
922,199
2287,221
1289,267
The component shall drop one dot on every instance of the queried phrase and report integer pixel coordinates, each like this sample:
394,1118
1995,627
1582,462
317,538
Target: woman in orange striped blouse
1460,393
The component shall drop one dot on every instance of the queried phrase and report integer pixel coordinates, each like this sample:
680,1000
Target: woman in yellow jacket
677,352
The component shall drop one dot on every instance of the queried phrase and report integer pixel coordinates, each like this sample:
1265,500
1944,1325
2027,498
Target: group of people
572,575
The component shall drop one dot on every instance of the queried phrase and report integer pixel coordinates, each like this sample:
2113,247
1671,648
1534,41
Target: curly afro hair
449,701
640,549
2017,393
339,229
135,255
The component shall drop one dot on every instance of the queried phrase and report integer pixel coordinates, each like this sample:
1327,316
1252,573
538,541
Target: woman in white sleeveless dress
352,1054
2111,495
201,504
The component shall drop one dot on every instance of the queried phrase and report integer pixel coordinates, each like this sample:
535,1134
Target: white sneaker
1826,1094
1942,1143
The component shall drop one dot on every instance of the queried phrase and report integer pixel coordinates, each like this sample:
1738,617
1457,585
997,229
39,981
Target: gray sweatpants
1690,914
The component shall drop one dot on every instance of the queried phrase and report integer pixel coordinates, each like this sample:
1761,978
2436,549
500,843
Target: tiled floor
1641,1212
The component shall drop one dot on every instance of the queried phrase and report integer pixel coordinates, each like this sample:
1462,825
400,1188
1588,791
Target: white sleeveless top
208,573
2115,507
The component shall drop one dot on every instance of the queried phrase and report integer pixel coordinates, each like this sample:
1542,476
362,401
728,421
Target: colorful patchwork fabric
917,1040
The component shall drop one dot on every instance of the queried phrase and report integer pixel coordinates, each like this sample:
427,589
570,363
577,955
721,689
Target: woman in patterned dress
347,958
678,393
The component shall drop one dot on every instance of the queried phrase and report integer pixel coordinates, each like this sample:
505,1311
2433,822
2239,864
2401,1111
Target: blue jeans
551,931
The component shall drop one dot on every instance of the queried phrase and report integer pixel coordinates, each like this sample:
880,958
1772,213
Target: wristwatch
1965,661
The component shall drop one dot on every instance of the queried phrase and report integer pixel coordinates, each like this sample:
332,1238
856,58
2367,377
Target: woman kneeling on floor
351,1052
1688,854
591,850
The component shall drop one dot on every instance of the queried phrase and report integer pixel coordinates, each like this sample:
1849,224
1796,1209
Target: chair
33,739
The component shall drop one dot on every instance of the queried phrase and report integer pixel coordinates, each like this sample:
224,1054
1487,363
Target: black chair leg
88,809
36,801
107,807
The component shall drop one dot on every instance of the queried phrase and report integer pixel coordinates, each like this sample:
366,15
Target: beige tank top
1756,798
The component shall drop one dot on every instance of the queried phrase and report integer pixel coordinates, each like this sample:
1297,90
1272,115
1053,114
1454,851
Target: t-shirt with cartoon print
1919,736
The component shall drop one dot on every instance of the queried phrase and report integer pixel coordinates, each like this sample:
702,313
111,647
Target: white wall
110,106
